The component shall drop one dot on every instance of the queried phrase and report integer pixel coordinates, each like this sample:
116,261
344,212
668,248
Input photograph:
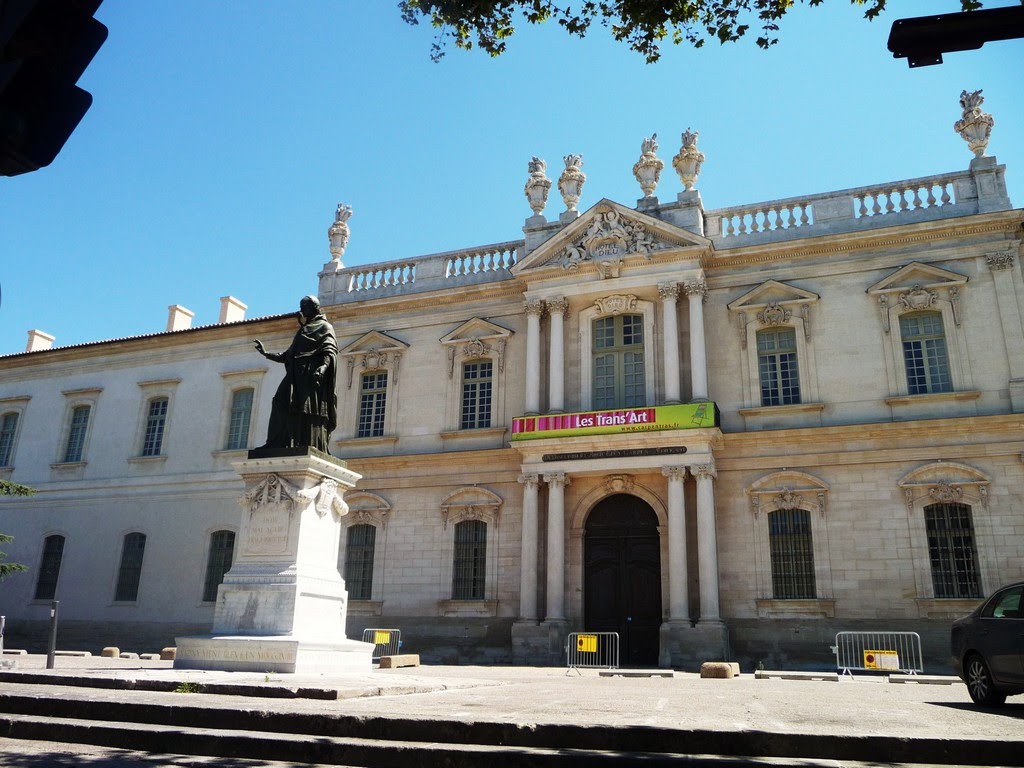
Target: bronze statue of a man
304,410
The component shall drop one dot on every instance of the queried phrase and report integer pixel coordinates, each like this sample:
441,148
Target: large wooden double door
622,576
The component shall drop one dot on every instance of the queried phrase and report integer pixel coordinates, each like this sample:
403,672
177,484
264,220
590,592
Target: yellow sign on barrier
881,660
586,643
381,638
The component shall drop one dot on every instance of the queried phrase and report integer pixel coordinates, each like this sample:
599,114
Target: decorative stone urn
570,183
647,169
975,126
689,160
537,185
338,232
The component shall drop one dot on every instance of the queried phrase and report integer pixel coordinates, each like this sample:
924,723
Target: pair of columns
696,292
707,545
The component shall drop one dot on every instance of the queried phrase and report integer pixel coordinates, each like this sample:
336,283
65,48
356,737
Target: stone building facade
719,433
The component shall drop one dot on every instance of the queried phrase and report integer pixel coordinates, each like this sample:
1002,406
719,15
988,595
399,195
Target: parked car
988,647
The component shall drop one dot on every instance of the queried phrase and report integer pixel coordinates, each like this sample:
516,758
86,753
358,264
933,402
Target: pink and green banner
655,419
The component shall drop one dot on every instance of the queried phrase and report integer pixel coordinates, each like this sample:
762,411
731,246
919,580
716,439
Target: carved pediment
788,489
605,236
476,338
372,351
471,503
944,482
918,277
365,508
770,293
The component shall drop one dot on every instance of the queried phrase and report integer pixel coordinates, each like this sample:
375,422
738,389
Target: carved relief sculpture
570,183
647,169
1000,261
689,160
338,233
608,239
917,299
616,305
537,186
975,126
774,314
945,493
696,288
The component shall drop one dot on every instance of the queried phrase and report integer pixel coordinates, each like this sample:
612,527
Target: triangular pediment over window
476,328
607,236
476,338
772,292
374,341
918,275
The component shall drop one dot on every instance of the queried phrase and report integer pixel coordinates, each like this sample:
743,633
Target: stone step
767,674
636,673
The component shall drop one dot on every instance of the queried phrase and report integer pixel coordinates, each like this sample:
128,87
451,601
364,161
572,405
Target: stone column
678,599
1004,279
696,293
528,551
669,293
534,308
556,368
707,542
556,545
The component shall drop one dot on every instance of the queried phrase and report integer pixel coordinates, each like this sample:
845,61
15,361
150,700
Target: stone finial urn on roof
537,185
647,169
570,183
975,126
689,160
338,233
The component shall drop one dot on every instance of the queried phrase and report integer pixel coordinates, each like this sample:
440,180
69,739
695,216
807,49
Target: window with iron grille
8,426
76,434
156,419
359,546
49,567
777,366
218,562
238,421
372,404
618,359
470,560
130,571
477,386
924,353
952,550
792,553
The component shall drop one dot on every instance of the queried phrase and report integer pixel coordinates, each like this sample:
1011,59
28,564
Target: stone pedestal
282,606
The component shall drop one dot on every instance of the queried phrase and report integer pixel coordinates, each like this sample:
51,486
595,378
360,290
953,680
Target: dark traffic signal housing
923,40
45,46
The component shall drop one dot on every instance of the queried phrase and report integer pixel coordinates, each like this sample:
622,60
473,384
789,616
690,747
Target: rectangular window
777,367
156,418
222,551
238,423
792,554
49,568
76,434
477,387
8,426
130,572
359,547
469,561
372,403
924,353
952,550
618,362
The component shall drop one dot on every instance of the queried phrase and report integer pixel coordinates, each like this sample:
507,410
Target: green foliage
642,24
7,488
187,688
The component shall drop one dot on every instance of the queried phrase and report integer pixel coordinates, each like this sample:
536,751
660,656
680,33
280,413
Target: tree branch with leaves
7,488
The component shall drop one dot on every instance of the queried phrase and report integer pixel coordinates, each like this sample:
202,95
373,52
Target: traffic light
45,45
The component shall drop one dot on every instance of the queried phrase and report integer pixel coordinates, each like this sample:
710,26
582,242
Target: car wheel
980,685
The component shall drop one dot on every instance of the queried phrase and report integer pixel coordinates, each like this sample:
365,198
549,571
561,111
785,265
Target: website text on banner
623,420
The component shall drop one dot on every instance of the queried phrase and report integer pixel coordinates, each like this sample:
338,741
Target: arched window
218,562
359,549
469,560
618,361
75,446
372,404
8,428
952,550
49,567
777,366
130,572
156,420
792,554
238,420
477,387
924,353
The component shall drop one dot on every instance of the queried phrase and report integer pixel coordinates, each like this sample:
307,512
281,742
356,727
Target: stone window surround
73,398
152,390
374,351
486,341
250,378
607,306
944,482
39,560
367,508
16,404
207,533
470,503
791,489
115,574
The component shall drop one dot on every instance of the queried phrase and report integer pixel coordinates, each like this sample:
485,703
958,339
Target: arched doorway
622,576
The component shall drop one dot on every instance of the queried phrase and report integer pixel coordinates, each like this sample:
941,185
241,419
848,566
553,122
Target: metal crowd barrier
592,649
878,652
386,642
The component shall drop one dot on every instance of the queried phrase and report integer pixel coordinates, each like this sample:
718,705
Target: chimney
38,341
231,310
179,318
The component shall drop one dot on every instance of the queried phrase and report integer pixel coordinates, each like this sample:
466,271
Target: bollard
51,650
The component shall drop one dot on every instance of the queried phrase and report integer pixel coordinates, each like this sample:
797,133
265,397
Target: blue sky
222,136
